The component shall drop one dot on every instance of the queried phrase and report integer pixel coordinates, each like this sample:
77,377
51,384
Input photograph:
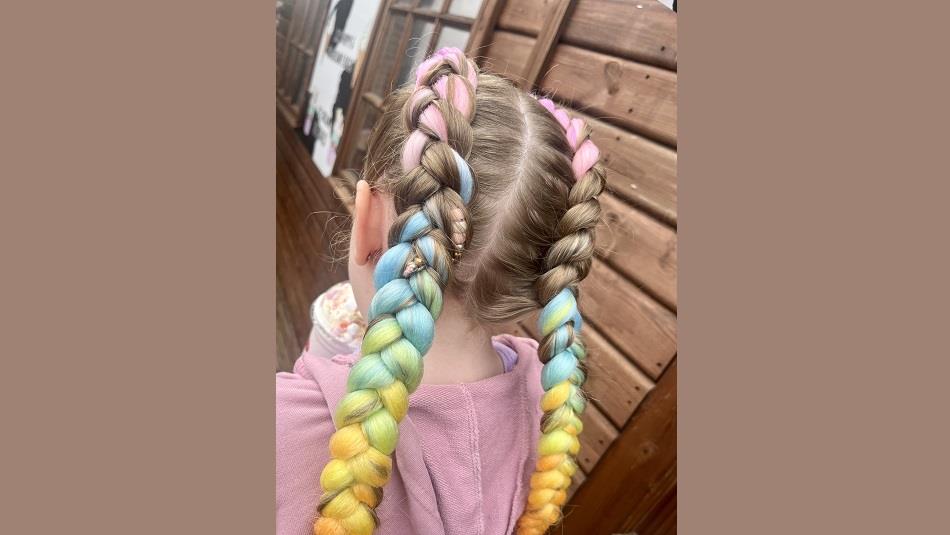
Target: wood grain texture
660,519
524,16
638,326
576,482
598,435
507,55
639,170
613,383
554,21
644,31
634,475
639,247
307,218
629,94
483,26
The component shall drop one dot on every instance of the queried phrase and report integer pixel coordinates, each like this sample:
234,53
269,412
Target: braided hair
566,263
500,208
430,230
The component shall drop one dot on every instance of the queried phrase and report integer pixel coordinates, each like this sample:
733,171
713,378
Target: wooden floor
309,216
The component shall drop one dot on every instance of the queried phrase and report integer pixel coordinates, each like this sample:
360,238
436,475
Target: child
478,206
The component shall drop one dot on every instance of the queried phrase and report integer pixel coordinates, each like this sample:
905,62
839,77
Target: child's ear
367,234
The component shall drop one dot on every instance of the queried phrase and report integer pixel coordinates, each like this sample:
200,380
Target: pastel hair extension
431,195
566,263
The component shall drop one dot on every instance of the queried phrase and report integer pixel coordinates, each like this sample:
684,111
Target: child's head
479,192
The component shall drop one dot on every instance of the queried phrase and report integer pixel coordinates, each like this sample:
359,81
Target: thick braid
410,278
566,263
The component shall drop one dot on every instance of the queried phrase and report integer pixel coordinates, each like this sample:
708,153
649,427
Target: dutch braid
566,263
431,199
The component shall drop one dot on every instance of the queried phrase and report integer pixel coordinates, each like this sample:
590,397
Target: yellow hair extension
410,277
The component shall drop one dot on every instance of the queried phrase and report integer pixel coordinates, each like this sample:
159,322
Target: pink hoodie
464,458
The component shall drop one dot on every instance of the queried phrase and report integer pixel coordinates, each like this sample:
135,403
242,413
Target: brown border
138,235
812,245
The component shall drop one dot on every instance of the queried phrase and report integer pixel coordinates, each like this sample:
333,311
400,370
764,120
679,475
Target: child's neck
462,351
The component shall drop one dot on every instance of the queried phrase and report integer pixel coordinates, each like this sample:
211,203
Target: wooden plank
613,383
636,470
482,28
598,435
640,171
576,482
548,36
524,16
660,516
288,345
507,55
638,326
303,248
644,31
318,212
629,94
292,276
638,246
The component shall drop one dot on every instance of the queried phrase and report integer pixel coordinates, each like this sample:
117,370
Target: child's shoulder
314,378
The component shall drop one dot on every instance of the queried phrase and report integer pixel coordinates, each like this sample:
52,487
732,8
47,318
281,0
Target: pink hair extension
460,96
587,154
432,118
584,158
450,88
412,152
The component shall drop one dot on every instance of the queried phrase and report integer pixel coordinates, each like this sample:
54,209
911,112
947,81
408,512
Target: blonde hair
496,195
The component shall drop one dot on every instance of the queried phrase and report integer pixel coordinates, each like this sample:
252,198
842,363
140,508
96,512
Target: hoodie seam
476,458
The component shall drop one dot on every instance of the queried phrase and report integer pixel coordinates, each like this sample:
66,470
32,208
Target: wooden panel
507,55
643,31
555,19
661,518
635,474
640,171
638,326
484,26
524,16
613,383
576,482
307,220
288,343
638,246
598,435
632,95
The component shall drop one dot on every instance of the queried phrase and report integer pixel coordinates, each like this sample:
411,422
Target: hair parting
561,349
496,200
